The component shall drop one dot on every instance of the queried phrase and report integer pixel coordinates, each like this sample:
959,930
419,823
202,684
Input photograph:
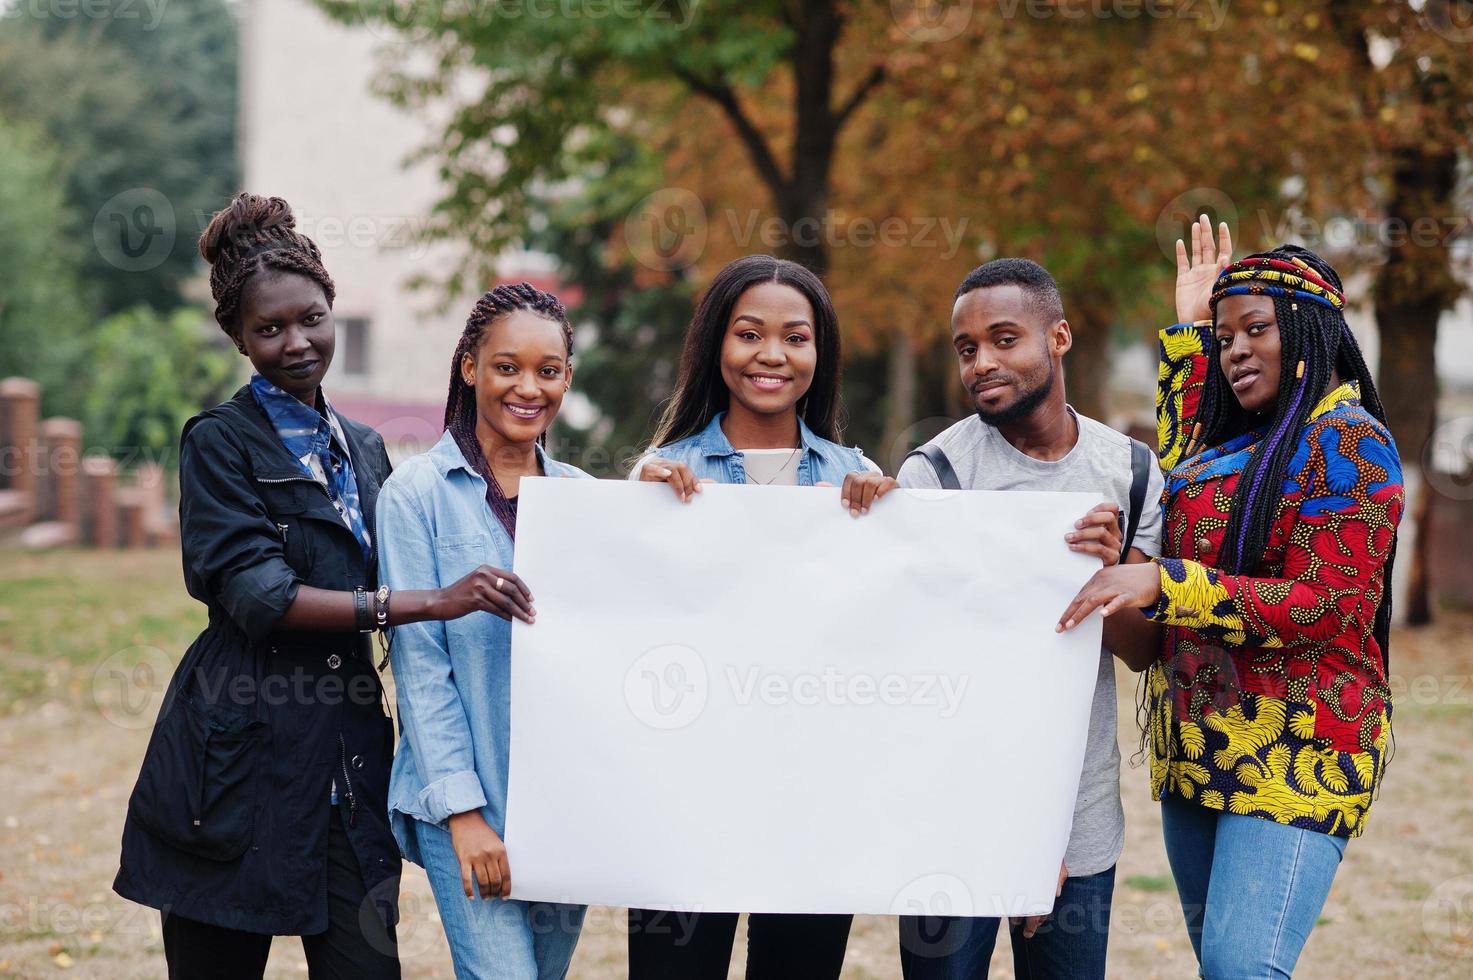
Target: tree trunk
1408,389
1090,313
902,377
1411,290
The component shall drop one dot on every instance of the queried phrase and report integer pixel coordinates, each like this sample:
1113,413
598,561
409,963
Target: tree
548,93
1413,82
636,316
148,374
142,116
43,309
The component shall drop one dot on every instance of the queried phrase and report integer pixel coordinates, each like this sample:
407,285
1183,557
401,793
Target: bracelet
381,606
361,614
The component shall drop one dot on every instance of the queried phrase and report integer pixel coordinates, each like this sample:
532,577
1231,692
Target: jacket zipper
347,781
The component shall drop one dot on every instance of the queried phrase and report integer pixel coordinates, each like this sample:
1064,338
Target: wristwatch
381,606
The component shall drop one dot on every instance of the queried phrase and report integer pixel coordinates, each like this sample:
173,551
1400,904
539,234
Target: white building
313,132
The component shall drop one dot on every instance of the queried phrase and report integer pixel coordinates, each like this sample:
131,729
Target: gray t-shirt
1099,461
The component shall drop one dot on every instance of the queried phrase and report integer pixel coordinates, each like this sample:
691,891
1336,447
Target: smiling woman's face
520,373
286,329
1249,350
769,355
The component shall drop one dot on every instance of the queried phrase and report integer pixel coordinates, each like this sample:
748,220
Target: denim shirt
710,456
453,678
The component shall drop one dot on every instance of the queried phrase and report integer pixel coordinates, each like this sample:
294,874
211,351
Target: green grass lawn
62,613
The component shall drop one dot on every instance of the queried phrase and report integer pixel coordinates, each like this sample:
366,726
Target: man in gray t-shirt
1009,334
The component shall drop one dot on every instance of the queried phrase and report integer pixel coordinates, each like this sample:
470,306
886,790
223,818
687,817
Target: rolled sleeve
431,713
230,542
458,792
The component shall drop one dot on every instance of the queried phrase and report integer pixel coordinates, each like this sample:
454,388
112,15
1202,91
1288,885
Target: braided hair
460,402
1316,341
254,235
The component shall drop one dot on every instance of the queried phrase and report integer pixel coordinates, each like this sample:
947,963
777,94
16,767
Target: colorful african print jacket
1270,696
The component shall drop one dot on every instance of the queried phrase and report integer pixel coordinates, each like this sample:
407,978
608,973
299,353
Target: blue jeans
1251,889
1070,945
493,938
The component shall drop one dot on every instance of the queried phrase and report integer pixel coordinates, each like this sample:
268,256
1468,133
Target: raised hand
1195,275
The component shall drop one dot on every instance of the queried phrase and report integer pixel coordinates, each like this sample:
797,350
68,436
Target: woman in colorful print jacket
1268,705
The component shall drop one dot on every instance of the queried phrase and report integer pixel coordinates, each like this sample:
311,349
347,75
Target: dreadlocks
256,234
460,402
1316,342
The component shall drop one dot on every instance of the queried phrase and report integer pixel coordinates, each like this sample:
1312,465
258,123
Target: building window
355,344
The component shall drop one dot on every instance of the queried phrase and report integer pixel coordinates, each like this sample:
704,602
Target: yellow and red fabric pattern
1269,697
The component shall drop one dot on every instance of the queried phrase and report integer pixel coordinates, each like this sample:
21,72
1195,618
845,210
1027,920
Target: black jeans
1069,945
697,946
356,946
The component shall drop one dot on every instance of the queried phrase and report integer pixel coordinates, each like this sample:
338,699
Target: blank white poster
755,702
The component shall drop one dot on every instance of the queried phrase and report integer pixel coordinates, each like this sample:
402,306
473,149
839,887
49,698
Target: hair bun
250,220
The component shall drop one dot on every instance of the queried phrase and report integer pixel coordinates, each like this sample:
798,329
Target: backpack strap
1140,472
940,464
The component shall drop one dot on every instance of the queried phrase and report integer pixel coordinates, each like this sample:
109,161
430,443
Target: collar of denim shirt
447,456
713,442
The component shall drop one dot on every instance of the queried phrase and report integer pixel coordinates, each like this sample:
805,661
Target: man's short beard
1023,406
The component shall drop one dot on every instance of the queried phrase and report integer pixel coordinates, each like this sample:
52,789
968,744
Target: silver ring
499,580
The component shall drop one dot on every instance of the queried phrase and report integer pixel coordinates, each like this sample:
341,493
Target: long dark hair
1315,335
701,394
460,402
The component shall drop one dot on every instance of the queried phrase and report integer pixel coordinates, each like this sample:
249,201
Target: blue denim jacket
453,678
710,456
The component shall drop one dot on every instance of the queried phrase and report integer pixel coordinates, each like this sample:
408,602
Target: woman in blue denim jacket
441,515
757,401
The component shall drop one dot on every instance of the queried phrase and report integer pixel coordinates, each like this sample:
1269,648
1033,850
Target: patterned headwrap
1276,277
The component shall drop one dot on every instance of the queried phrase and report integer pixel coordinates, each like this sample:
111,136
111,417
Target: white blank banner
755,702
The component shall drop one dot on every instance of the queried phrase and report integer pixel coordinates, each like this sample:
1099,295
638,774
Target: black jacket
228,821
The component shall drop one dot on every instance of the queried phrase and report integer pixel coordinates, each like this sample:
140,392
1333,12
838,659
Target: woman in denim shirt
441,515
757,401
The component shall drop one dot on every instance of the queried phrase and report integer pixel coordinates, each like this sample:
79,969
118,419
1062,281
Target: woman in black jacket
261,805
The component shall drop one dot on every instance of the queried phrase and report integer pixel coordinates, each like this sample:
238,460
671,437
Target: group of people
1258,555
